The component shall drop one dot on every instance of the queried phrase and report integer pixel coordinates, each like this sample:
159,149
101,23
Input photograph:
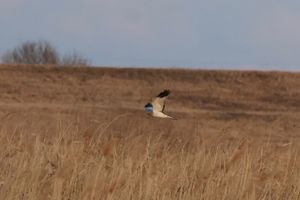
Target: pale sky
223,34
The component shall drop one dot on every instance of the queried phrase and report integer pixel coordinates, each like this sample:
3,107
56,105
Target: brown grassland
82,133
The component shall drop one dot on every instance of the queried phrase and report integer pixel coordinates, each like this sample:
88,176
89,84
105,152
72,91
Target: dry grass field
82,133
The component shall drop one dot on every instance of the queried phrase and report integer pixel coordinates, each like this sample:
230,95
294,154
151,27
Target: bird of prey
157,106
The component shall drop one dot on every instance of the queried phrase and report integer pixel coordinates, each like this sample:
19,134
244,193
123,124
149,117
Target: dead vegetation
81,133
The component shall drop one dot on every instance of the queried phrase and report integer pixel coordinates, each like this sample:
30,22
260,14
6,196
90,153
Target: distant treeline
41,52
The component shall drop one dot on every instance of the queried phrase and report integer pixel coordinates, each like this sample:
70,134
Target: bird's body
161,115
157,106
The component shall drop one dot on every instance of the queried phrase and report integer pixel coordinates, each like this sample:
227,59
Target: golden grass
143,163
56,149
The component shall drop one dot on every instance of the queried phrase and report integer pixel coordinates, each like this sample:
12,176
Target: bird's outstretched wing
159,101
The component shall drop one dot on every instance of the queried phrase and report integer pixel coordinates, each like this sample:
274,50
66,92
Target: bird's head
148,107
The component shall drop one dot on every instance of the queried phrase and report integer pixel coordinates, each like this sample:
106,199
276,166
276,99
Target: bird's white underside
160,114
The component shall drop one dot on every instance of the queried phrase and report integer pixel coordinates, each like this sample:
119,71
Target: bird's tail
168,116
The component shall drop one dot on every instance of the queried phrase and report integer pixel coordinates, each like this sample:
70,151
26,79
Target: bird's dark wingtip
148,105
163,93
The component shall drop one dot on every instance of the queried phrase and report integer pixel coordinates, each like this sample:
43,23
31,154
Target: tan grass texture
81,133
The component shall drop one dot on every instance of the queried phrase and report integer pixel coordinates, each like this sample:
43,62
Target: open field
82,133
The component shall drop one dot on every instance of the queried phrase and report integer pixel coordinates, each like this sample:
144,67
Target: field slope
81,133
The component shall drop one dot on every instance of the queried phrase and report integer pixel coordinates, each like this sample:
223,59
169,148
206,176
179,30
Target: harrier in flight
157,106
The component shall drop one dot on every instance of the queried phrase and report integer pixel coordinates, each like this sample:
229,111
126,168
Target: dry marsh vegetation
81,133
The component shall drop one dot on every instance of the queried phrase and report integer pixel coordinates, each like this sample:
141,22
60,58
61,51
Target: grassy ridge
81,133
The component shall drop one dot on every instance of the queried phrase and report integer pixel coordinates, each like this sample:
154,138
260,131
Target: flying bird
157,106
